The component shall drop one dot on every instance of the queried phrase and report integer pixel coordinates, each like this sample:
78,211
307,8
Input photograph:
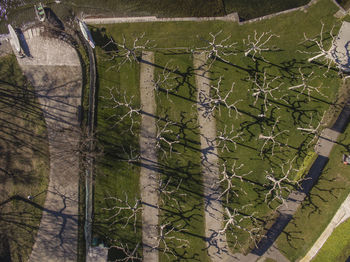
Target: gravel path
144,19
216,242
58,89
149,176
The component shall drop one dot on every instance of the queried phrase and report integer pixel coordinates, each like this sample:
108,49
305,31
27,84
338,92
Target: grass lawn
24,162
66,10
292,108
337,246
116,177
250,9
184,209
344,3
323,202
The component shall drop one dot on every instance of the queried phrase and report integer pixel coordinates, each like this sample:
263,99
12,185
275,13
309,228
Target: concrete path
149,177
339,51
324,146
216,243
144,19
326,141
58,88
5,47
342,214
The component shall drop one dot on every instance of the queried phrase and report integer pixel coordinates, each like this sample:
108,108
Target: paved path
58,88
216,242
339,50
323,148
143,19
326,141
149,177
342,214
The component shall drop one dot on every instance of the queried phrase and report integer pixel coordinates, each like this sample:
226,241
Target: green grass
23,163
255,8
182,166
293,111
324,200
66,10
306,165
344,3
337,246
115,176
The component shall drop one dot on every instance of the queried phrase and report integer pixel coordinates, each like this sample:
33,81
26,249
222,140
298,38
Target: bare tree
166,135
168,195
227,179
124,210
305,85
127,51
165,80
219,49
279,185
314,131
264,89
271,137
257,44
165,236
322,52
125,105
218,99
225,138
129,254
234,219
133,154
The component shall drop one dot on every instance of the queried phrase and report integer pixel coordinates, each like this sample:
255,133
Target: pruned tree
127,51
166,236
224,138
132,154
166,135
218,49
124,107
75,141
217,99
322,52
212,102
257,44
164,81
264,89
270,138
228,180
129,254
169,193
305,85
279,185
123,209
313,130
234,220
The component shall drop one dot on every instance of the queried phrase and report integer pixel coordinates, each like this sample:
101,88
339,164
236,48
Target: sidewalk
55,72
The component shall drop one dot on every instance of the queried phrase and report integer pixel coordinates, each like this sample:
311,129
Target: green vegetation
66,10
184,209
291,108
23,164
344,3
337,246
324,200
115,176
305,166
250,9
